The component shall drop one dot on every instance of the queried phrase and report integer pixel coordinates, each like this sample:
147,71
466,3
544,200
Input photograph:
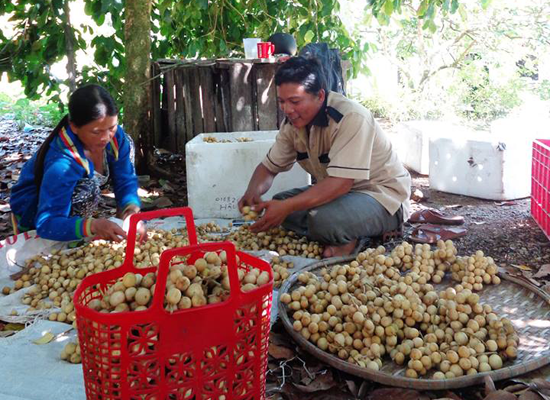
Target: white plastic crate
218,173
483,167
411,141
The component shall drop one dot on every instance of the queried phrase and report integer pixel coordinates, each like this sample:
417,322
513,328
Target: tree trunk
137,93
69,47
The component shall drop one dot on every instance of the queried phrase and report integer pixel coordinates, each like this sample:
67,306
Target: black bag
330,61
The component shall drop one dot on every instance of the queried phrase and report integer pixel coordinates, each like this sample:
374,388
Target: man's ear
322,95
73,128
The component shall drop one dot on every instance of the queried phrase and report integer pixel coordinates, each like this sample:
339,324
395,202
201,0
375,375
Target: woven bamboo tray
524,304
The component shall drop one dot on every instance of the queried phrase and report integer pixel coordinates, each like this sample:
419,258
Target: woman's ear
74,128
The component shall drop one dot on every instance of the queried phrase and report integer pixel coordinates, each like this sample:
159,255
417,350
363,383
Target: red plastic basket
540,184
218,351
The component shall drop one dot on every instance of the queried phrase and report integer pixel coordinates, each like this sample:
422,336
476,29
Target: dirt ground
503,230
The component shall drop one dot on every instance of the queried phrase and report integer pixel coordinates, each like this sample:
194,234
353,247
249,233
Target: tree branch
455,64
69,47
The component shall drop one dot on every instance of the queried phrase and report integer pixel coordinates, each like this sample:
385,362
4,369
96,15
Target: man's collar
321,118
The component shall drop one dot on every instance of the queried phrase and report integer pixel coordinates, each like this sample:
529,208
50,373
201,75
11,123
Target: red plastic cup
265,49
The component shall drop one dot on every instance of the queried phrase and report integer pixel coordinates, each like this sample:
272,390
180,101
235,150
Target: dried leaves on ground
503,230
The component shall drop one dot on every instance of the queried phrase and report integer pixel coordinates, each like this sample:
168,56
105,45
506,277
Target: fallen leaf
500,395
163,202
489,385
144,179
168,188
542,385
529,395
397,394
507,203
352,387
272,388
418,196
517,388
321,382
522,267
452,396
365,386
46,338
279,339
279,352
14,327
543,272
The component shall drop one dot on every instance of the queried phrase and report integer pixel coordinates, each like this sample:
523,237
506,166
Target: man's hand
249,199
275,213
261,181
108,230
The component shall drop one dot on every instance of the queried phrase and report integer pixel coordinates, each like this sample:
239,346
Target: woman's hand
104,229
130,210
141,229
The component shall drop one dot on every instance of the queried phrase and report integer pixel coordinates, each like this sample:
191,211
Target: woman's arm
53,220
125,183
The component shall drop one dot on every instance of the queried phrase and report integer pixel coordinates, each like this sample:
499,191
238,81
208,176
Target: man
361,189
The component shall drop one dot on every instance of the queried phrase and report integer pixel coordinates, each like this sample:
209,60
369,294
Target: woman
60,186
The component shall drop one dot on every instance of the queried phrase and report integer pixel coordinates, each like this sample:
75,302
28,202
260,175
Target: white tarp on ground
36,372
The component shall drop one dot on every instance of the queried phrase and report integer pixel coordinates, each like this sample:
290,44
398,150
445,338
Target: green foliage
29,112
378,106
39,42
479,98
179,29
404,106
215,29
543,89
477,66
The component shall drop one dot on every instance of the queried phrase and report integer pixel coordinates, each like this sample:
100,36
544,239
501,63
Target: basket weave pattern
199,353
525,305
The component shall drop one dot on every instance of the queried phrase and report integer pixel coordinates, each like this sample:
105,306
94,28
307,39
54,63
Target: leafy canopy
179,29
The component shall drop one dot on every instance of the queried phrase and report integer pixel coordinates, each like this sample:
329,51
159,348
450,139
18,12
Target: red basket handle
167,256
149,215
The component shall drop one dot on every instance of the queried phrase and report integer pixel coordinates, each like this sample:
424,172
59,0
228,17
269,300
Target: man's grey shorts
349,217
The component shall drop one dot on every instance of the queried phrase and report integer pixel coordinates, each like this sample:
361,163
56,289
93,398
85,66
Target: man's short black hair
304,71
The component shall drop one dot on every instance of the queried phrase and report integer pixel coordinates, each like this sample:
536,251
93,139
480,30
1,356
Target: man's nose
287,109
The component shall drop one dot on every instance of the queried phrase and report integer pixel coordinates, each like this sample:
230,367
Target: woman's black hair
304,71
87,104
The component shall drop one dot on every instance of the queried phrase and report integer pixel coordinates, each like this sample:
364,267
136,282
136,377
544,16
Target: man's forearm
321,193
261,180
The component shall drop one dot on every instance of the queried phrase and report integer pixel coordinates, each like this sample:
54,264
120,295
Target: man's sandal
431,216
430,234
